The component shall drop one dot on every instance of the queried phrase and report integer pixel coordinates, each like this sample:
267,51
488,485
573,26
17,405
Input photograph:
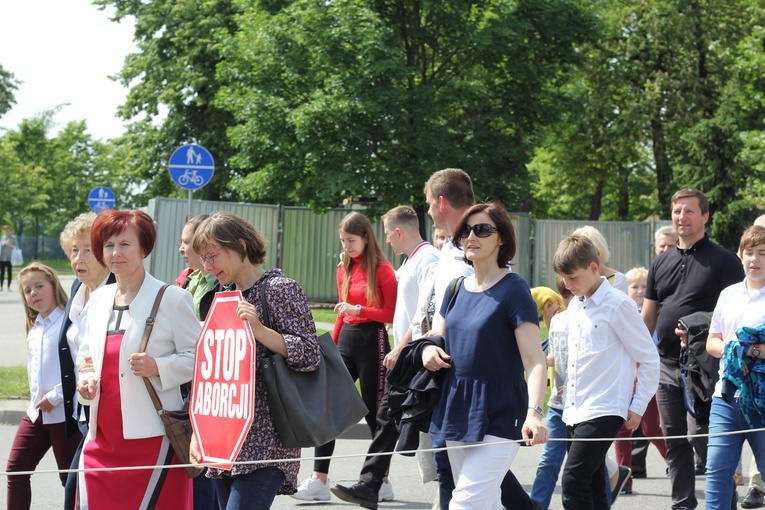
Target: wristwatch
538,409
755,351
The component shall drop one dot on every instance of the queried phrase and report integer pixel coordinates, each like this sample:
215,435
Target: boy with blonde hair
607,344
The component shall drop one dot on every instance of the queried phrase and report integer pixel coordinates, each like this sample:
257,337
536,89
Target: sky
64,52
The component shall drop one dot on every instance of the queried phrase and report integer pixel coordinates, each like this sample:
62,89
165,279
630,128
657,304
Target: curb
11,417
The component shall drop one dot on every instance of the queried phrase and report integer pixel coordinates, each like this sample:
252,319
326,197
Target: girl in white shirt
42,427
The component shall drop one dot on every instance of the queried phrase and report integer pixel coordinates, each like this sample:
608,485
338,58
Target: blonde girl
42,427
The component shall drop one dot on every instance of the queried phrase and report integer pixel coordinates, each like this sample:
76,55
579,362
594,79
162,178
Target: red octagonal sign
222,397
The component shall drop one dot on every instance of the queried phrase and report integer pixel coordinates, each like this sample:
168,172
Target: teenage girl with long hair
366,286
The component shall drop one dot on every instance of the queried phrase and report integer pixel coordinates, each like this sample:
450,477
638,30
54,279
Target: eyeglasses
479,229
210,257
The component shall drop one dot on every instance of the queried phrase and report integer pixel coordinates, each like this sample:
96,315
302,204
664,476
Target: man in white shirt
607,343
449,193
402,232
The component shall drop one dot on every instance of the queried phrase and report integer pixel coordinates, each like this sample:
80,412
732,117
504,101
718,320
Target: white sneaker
312,489
386,492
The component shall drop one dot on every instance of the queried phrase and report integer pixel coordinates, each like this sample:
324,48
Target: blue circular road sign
101,198
191,166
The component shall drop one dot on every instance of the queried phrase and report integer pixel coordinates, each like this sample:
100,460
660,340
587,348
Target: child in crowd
637,281
553,452
739,313
42,427
636,284
607,344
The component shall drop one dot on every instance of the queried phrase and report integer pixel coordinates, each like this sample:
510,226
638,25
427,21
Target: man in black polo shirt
682,281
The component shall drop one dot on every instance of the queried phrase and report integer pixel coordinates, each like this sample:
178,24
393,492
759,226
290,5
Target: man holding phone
684,280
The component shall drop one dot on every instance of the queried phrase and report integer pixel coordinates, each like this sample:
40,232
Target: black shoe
639,473
700,470
624,475
358,493
627,490
755,498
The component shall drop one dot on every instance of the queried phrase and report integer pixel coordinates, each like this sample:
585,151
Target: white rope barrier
365,454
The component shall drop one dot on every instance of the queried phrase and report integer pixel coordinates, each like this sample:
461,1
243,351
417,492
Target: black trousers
5,265
674,422
584,486
363,348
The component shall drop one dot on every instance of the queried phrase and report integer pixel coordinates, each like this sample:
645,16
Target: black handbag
310,408
177,423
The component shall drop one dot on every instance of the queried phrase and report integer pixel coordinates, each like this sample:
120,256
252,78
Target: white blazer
171,344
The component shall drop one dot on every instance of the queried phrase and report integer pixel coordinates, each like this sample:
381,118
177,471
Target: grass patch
14,382
324,315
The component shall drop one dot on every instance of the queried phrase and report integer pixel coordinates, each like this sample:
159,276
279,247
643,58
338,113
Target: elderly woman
234,252
125,429
75,241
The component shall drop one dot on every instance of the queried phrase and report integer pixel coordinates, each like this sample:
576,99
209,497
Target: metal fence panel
311,249
170,215
629,243
524,249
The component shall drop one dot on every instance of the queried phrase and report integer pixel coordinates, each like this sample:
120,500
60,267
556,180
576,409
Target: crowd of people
466,353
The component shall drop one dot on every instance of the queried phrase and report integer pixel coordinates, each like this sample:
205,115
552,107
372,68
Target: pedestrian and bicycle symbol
101,198
191,166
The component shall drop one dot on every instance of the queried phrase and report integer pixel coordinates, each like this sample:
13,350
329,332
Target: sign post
101,198
191,167
222,397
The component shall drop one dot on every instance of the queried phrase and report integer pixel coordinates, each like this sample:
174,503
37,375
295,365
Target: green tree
47,179
172,88
7,85
722,153
368,98
651,93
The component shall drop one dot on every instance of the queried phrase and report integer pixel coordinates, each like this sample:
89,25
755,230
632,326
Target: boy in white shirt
607,341
740,305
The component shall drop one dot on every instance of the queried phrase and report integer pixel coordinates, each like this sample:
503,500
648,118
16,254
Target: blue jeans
551,460
723,452
254,491
204,493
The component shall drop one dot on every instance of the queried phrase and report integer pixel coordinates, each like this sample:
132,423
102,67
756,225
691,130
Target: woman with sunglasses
366,285
233,251
491,336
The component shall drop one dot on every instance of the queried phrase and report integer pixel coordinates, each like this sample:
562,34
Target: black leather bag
177,423
310,408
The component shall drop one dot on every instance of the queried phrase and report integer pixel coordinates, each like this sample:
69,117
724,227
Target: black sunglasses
479,229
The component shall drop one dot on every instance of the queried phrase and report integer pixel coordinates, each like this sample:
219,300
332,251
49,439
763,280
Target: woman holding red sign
233,251
125,429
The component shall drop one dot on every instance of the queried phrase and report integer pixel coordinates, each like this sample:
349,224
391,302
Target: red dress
127,489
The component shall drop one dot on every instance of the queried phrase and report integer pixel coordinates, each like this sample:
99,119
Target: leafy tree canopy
7,85
360,98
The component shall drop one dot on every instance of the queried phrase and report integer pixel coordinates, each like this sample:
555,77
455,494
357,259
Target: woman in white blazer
125,429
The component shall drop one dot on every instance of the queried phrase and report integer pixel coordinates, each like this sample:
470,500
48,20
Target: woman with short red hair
125,429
